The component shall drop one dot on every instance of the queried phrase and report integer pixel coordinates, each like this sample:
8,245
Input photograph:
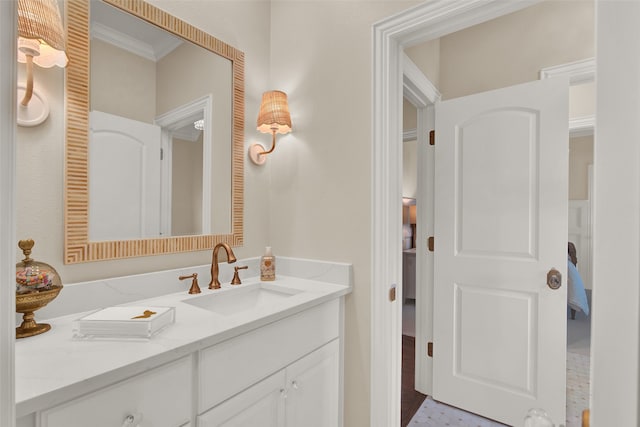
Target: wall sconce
273,118
41,41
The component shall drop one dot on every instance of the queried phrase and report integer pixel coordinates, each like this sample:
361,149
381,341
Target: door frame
170,122
614,368
422,94
419,24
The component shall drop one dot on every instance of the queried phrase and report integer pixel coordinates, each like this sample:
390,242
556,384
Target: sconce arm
273,143
29,90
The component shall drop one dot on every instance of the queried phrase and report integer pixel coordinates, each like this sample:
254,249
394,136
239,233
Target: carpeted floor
434,414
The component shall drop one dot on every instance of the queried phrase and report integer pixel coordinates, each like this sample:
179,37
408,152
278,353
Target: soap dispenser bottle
268,266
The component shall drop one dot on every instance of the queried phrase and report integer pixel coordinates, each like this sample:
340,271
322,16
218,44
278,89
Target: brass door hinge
432,137
430,349
392,294
430,243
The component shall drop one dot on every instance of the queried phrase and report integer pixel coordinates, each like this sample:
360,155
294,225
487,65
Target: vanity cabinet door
246,359
305,393
313,392
259,405
160,397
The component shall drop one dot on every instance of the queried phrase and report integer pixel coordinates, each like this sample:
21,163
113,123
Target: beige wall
512,49
409,116
580,158
122,83
184,75
582,100
409,151
427,57
40,185
321,173
410,169
186,187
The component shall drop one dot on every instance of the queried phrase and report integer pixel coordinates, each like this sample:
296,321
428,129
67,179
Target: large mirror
155,116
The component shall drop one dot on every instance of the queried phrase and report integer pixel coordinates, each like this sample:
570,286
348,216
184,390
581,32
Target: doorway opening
578,332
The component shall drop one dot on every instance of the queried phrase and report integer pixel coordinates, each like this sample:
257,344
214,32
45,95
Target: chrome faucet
231,258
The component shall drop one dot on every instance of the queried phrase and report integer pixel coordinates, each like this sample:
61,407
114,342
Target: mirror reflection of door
140,73
124,167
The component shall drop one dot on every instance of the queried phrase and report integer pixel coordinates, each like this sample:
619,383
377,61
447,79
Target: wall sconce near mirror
273,118
41,41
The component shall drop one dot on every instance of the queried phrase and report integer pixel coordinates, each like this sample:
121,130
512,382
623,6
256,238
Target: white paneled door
501,160
124,178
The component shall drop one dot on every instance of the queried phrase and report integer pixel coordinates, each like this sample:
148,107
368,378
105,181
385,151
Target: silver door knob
554,279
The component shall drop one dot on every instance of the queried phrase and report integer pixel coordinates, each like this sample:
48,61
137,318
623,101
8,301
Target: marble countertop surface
54,367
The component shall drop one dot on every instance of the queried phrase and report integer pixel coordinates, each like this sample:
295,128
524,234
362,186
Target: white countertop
54,367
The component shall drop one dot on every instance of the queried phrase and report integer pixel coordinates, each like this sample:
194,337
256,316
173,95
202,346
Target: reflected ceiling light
41,41
273,118
199,124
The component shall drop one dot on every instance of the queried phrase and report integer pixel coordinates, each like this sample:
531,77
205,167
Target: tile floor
435,414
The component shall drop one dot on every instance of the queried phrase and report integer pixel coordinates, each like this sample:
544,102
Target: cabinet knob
294,385
132,420
283,393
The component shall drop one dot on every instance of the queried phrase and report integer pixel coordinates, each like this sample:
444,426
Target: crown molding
131,44
583,71
582,126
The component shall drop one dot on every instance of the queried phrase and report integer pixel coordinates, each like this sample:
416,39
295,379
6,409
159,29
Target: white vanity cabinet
312,397
305,393
282,373
260,405
159,397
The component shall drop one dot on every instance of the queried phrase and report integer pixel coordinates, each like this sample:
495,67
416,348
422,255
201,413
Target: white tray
121,322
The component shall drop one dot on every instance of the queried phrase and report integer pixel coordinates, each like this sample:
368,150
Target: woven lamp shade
274,113
39,21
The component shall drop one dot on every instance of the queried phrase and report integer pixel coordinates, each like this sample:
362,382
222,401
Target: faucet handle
195,289
236,276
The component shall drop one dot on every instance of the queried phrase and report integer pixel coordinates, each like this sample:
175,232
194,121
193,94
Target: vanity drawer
230,367
161,396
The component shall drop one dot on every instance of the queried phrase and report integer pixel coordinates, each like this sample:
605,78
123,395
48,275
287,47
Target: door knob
554,279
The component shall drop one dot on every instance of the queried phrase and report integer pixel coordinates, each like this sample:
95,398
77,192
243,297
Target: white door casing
426,21
501,225
421,93
124,178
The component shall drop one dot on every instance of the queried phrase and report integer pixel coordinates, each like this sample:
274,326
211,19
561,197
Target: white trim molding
170,122
416,87
8,102
133,45
583,71
419,24
409,135
578,72
582,126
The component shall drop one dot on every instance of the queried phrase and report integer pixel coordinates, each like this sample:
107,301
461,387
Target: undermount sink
244,298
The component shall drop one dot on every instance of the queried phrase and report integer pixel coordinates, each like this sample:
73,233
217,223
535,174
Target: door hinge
392,293
430,349
432,137
161,154
430,243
